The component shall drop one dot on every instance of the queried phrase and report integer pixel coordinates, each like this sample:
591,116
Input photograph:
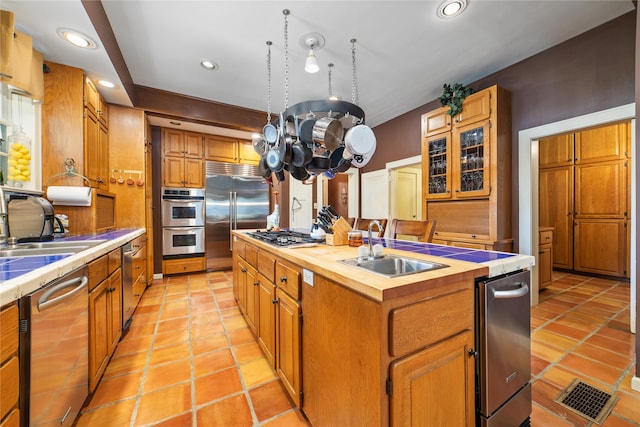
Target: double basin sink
392,265
47,248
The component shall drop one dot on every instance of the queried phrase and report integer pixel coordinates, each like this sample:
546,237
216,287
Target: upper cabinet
182,159
72,127
230,150
466,162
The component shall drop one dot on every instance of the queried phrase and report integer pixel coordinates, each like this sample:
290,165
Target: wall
637,185
591,72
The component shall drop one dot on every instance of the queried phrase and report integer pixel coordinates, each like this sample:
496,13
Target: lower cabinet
288,344
545,256
9,367
435,386
267,318
600,246
105,314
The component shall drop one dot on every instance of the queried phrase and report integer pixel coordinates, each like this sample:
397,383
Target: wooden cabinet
467,171
230,150
139,268
74,125
268,293
182,160
105,313
545,256
584,195
9,366
435,386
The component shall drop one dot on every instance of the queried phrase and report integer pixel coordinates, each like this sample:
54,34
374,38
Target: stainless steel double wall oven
182,222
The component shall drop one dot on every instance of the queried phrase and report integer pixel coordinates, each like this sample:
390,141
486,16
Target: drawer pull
256,283
275,301
244,270
283,279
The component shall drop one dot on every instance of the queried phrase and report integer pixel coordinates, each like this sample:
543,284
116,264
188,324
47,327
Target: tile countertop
24,274
498,262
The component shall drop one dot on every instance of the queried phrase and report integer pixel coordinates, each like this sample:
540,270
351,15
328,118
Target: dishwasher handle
44,302
514,293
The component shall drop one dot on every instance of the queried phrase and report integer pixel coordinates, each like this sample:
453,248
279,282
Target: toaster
31,219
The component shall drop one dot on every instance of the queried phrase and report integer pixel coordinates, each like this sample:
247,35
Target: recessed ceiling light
77,39
451,8
209,65
106,83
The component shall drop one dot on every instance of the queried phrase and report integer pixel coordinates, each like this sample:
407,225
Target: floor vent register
587,401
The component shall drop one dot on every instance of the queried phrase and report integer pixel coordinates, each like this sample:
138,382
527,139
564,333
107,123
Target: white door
405,198
301,203
375,194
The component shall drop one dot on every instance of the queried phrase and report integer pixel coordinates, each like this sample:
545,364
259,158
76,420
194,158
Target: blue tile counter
22,275
498,262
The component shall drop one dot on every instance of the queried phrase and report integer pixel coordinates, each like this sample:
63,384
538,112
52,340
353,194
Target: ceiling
404,52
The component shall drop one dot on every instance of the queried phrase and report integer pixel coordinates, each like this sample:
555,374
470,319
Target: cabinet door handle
473,353
256,283
540,252
244,270
283,279
275,301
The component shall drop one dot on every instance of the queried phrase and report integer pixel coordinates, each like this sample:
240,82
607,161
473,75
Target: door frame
400,164
528,185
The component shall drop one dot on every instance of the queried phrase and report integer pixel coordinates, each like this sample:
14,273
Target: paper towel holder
70,166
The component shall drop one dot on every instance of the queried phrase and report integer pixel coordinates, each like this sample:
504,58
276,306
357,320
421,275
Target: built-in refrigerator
237,197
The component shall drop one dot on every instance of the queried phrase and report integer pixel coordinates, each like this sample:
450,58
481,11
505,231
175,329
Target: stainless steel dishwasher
54,351
503,365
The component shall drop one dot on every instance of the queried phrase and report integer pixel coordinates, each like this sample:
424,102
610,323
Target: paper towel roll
69,196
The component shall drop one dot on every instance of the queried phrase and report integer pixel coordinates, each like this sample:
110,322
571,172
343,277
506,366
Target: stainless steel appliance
503,366
284,238
128,252
31,219
54,351
182,222
237,197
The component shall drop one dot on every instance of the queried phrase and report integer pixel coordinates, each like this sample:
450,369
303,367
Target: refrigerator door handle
231,214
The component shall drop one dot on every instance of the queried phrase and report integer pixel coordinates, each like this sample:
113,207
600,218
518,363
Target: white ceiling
404,52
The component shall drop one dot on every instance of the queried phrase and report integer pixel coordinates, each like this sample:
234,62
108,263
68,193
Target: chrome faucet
371,224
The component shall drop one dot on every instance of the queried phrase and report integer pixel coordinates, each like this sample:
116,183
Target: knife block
340,234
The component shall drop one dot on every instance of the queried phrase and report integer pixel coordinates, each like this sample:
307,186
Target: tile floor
190,360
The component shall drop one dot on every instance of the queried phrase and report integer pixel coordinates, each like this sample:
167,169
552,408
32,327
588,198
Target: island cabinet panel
9,365
288,344
418,325
267,318
435,386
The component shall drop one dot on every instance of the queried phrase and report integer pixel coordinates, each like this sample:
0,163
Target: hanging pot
270,133
343,165
301,154
280,175
336,157
259,144
299,173
318,164
274,160
360,139
263,167
306,130
328,132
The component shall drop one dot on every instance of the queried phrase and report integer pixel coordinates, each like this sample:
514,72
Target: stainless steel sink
393,266
48,248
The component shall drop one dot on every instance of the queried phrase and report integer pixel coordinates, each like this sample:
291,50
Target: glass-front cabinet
458,165
19,143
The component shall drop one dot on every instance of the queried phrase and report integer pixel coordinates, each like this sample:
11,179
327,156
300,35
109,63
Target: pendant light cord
354,77
286,13
269,82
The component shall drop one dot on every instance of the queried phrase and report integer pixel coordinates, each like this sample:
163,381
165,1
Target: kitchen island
357,348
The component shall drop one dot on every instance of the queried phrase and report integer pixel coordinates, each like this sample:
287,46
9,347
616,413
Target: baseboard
635,383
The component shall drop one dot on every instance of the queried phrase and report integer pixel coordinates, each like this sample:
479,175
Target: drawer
267,265
184,265
251,255
98,271
288,279
9,385
115,260
546,237
9,331
428,321
239,247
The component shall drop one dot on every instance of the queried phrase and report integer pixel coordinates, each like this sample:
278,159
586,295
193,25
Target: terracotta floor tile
554,340
269,400
256,372
537,365
614,420
115,389
604,356
133,345
239,336
546,352
203,330
174,314
591,369
164,403
233,411
149,308
567,331
208,343
232,323
141,331
217,386
174,324
126,364
170,353
166,375
628,406
118,414
181,420
612,344
544,394
289,419
247,351
170,338
208,363
541,417
140,319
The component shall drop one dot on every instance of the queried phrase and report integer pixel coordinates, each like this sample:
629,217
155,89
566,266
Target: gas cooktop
284,238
